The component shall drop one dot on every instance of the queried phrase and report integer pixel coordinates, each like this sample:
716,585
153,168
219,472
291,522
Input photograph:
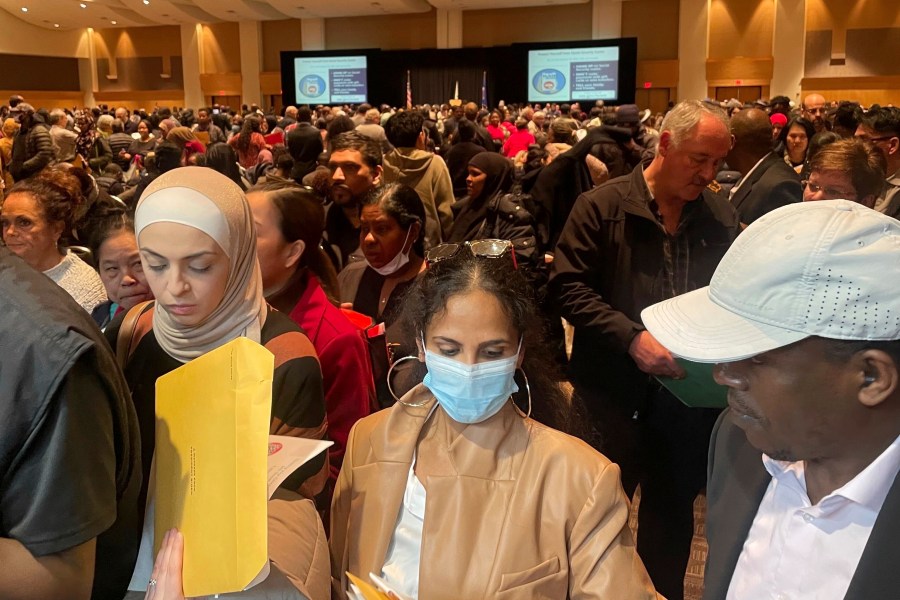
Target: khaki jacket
517,511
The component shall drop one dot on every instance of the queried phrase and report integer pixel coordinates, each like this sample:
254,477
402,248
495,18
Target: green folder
697,389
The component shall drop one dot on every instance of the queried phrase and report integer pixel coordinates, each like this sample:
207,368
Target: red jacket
517,142
344,359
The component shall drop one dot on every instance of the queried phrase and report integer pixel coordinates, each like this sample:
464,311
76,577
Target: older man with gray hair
372,129
630,243
63,138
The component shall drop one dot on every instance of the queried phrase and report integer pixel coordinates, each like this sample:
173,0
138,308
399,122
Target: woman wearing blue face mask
392,238
455,492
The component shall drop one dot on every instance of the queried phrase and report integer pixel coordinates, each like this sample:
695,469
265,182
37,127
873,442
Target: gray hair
56,114
105,121
686,115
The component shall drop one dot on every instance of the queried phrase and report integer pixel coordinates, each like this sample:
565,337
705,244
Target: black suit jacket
771,185
736,485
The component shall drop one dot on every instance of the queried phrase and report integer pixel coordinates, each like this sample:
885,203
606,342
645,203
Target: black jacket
505,216
32,150
608,267
562,181
736,485
771,185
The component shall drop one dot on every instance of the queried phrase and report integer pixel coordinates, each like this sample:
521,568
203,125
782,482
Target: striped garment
298,405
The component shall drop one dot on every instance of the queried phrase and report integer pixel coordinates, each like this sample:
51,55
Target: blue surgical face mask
471,393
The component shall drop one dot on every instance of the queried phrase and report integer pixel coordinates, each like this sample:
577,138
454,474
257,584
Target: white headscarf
209,201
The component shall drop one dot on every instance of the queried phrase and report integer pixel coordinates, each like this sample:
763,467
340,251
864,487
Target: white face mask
396,263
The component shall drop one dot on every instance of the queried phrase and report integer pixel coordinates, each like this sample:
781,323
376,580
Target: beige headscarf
209,201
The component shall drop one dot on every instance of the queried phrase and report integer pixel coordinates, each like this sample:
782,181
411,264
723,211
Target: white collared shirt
401,563
796,550
740,182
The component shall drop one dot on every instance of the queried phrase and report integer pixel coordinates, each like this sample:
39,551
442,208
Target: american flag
408,92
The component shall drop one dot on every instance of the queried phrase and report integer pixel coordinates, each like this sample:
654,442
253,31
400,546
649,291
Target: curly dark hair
465,273
58,196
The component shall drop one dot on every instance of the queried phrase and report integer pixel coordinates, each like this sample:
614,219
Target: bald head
752,133
752,130
814,110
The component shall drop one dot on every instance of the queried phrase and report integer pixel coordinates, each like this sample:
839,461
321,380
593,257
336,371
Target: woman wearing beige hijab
197,242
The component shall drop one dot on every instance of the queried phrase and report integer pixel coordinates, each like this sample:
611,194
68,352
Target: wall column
449,28
312,34
250,33
191,64
88,79
606,19
788,48
693,48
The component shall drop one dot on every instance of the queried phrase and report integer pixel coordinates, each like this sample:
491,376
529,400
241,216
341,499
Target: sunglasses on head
487,248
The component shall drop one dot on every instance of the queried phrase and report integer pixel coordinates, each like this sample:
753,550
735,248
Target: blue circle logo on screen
312,86
548,81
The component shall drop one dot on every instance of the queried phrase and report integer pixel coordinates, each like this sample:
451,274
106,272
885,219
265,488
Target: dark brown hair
302,217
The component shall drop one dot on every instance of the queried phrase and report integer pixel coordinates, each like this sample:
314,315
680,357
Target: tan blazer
516,511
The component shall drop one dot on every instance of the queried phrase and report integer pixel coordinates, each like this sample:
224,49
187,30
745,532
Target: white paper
287,454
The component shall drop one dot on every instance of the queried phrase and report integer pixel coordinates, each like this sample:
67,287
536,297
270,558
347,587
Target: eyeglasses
830,192
487,248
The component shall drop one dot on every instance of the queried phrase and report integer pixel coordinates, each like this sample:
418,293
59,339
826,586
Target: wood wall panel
221,84
278,36
141,73
741,28
39,73
141,99
46,99
131,42
270,83
388,32
500,27
750,71
642,19
661,73
221,48
865,90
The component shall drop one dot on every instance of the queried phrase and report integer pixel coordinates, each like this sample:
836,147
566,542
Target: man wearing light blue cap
802,318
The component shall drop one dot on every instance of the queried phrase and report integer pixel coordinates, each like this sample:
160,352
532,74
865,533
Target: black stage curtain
434,74
436,85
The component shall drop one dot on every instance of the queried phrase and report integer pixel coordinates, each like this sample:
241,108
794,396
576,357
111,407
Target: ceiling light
114,22
146,1
56,25
83,5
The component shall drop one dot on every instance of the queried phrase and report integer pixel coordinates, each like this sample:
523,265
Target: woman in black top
392,238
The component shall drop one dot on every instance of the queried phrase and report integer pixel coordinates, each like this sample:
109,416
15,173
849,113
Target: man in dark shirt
355,165
767,182
629,243
69,450
119,142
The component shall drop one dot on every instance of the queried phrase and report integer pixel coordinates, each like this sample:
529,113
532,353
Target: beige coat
516,511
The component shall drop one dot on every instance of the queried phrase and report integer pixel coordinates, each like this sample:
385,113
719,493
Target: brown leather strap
126,332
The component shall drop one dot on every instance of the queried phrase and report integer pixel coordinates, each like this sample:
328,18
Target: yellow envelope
212,436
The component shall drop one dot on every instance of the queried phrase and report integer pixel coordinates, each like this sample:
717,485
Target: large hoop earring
527,389
391,388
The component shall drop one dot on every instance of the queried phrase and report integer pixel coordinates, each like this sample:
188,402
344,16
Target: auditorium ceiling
78,14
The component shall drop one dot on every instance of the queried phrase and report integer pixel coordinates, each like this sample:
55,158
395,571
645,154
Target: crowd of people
427,279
